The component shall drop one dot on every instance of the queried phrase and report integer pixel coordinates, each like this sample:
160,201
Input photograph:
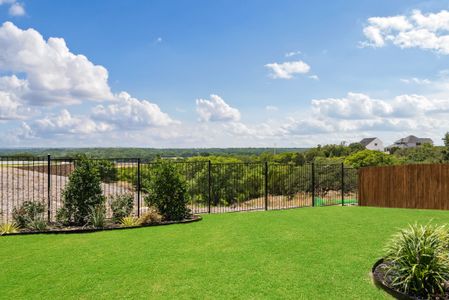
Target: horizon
201,75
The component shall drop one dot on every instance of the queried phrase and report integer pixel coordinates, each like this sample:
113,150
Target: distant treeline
143,153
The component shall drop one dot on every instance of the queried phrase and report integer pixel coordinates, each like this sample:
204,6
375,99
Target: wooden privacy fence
423,186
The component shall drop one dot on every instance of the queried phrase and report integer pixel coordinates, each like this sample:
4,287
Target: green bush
30,215
418,260
106,170
122,206
82,192
167,192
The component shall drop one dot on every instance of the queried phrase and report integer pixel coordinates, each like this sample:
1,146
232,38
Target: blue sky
222,73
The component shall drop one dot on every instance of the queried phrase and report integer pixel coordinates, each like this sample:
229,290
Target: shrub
8,228
167,192
122,206
29,214
106,170
129,221
150,217
97,215
62,216
37,224
418,260
82,192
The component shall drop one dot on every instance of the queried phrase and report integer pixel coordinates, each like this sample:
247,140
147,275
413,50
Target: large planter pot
381,284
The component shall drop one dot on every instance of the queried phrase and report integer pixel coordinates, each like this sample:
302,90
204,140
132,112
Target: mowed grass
308,253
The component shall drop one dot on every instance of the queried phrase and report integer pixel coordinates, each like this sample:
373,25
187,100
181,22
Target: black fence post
266,185
342,184
313,184
138,187
48,187
209,186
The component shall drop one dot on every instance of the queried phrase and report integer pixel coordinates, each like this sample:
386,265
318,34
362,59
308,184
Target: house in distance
410,141
373,143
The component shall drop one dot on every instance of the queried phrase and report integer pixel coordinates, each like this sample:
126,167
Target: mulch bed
57,229
382,280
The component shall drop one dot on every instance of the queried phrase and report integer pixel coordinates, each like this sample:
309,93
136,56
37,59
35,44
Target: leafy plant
9,228
97,216
106,170
82,192
37,224
150,217
167,192
62,216
29,214
130,221
122,206
419,260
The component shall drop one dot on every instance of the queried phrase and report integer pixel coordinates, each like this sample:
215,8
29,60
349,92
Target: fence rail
212,187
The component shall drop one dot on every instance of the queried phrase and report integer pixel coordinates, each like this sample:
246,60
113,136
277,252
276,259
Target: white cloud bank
288,69
417,30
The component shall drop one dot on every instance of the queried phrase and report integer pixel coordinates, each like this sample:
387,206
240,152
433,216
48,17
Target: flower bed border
381,284
195,218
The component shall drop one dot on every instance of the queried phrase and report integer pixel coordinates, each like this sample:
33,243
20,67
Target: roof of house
365,142
411,139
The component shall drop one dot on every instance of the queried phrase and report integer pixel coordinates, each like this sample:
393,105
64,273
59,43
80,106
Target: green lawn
308,253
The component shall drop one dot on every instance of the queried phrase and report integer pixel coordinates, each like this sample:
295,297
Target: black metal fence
212,187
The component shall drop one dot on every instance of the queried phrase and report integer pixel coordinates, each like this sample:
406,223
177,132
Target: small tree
370,158
446,147
167,191
82,192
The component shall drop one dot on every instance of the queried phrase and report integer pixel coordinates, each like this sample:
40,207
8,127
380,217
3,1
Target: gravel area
18,185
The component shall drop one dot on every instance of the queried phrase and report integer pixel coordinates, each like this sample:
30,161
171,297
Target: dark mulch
55,228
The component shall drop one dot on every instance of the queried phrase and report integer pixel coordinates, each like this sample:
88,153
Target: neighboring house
372,144
410,142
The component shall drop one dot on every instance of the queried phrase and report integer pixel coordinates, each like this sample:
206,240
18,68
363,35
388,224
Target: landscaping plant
130,221
418,260
122,206
150,217
97,216
8,228
30,215
82,192
167,192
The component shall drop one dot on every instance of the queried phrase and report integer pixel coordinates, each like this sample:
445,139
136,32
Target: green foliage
9,228
97,215
419,260
30,215
82,191
445,152
422,154
106,170
130,221
370,158
62,216
122,206
167,192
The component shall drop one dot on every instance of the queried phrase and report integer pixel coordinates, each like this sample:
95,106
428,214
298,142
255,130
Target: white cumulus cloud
130,113
417,30
52,73
216,109
15,8
286,70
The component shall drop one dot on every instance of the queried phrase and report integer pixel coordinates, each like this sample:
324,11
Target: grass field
308,253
